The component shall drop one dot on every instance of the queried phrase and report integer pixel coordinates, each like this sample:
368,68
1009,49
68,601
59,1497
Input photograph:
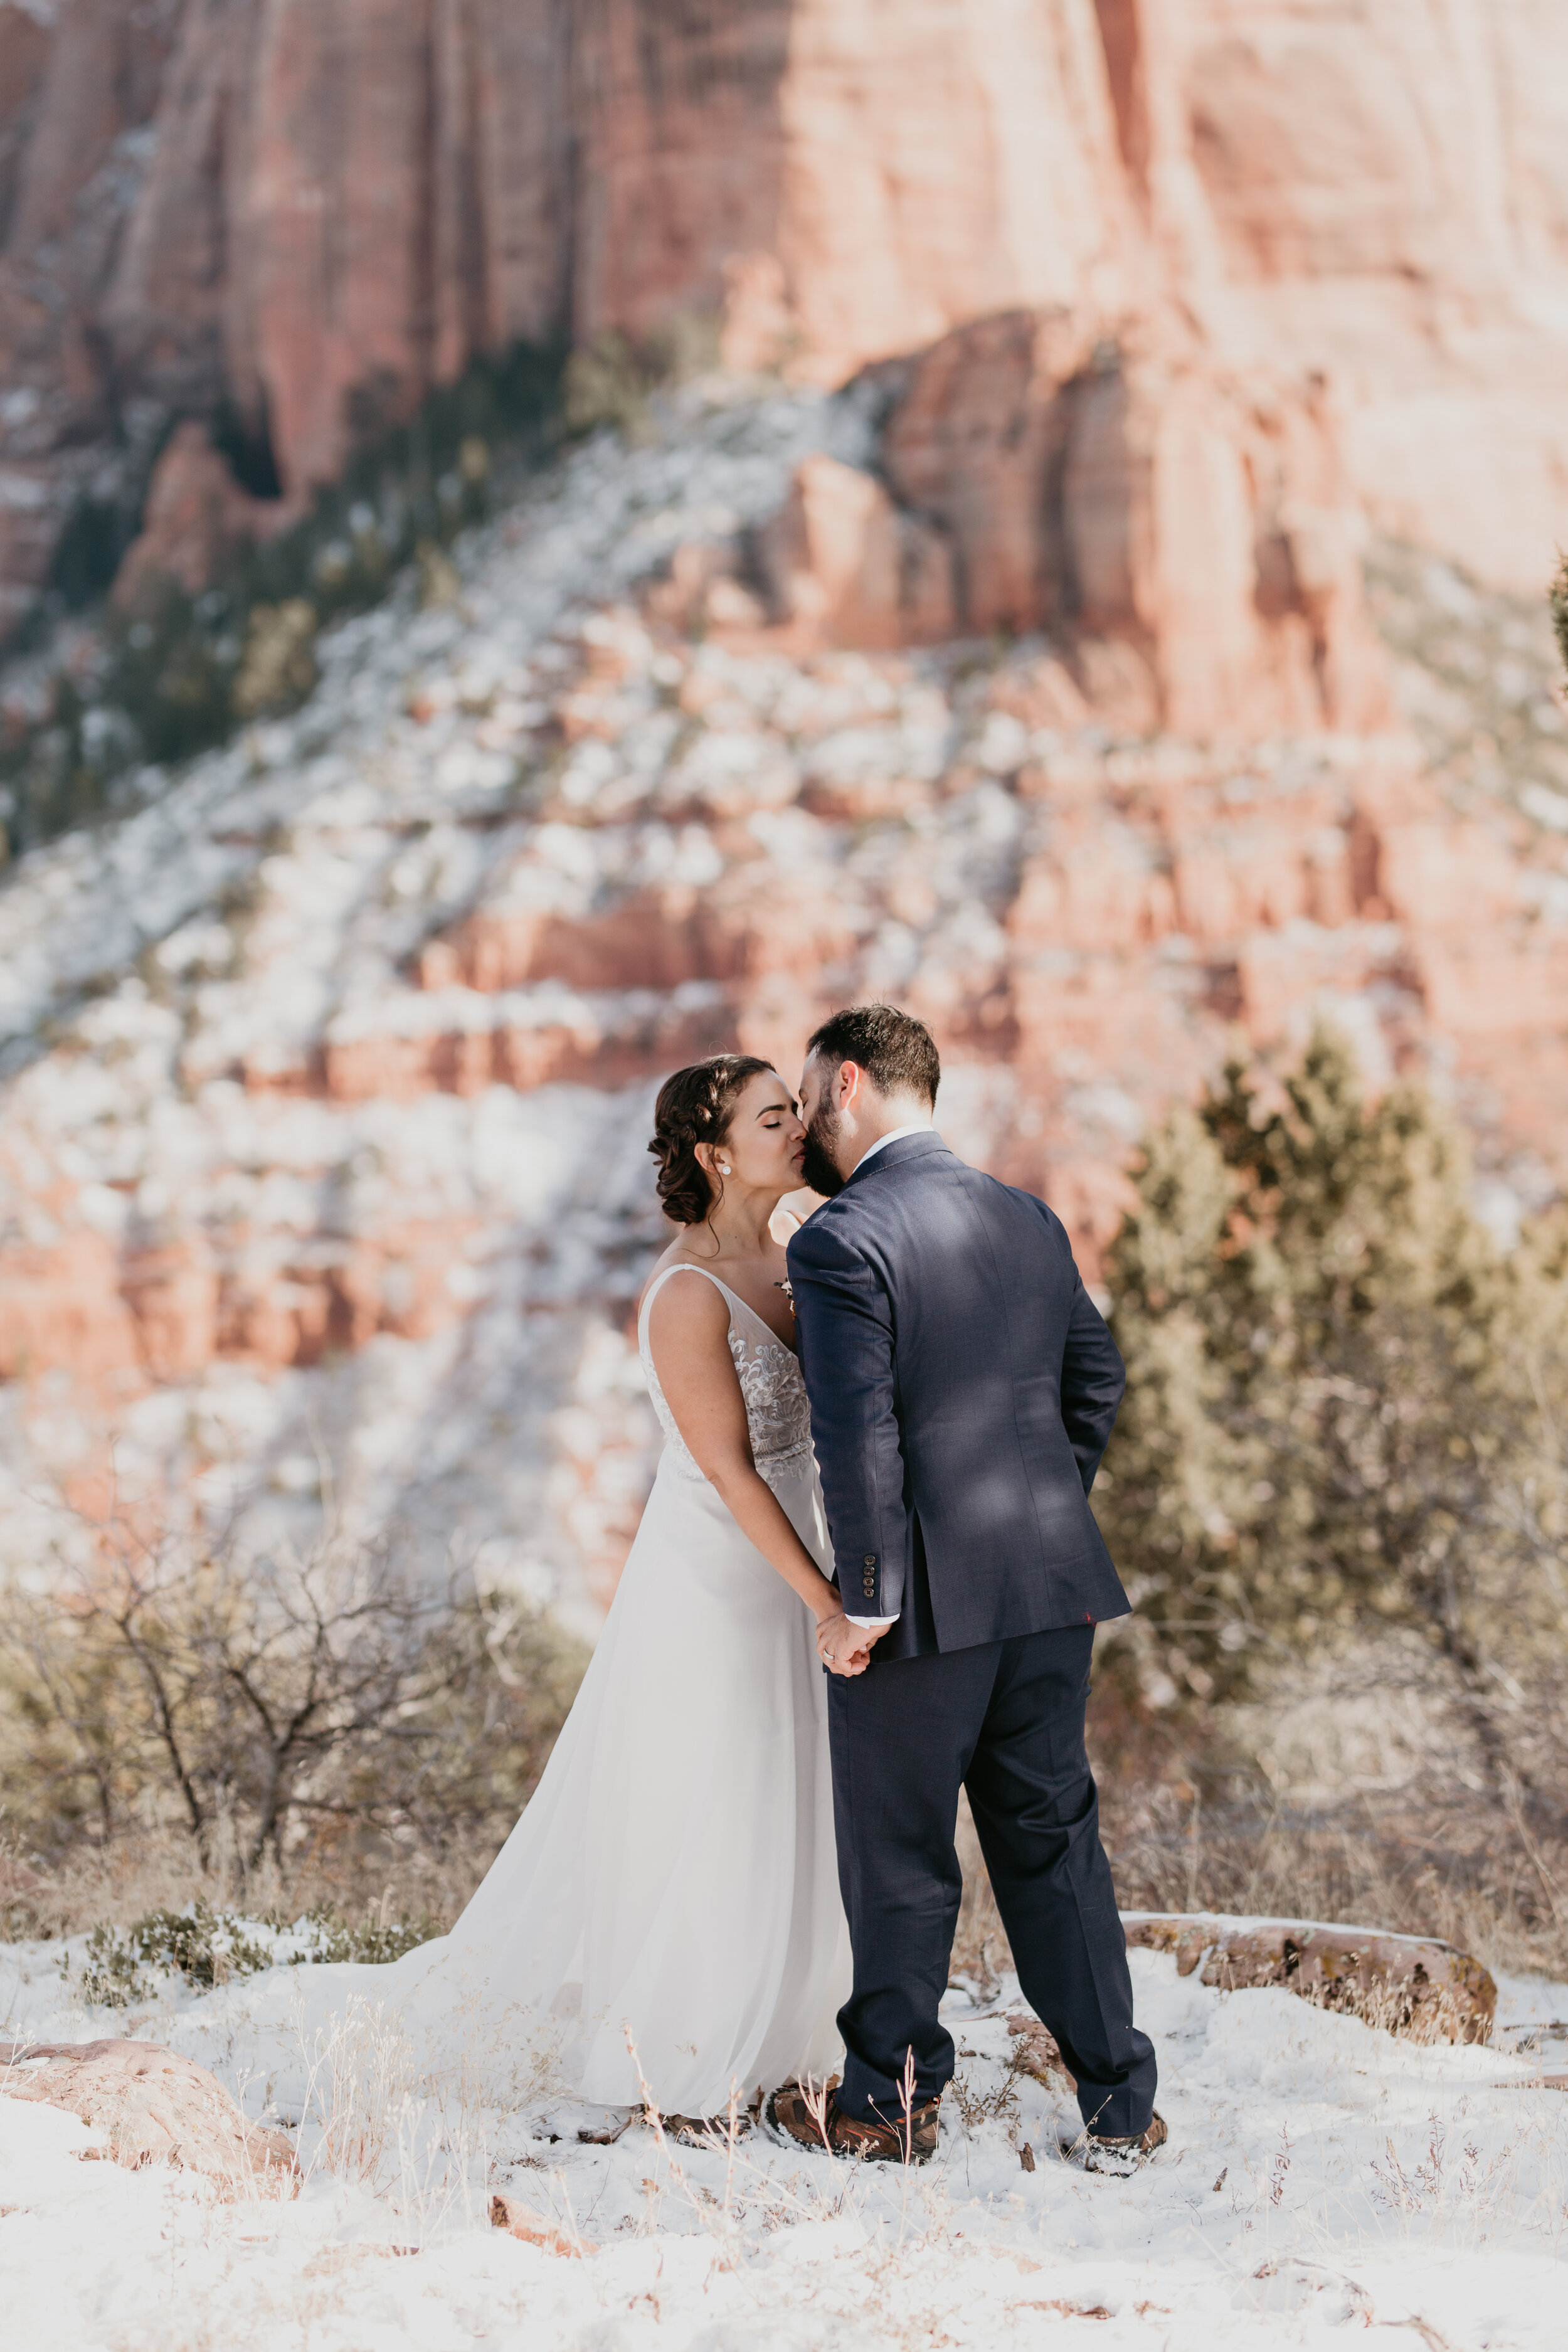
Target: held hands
845,1649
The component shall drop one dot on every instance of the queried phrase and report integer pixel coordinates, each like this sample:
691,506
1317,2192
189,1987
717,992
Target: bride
674,1873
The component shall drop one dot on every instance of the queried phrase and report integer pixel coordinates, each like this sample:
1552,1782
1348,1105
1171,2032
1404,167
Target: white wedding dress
674,1872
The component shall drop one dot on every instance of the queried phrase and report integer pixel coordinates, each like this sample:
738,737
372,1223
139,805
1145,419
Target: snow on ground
1320,2174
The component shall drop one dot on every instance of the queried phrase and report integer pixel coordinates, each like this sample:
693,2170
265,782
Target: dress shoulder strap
683,1265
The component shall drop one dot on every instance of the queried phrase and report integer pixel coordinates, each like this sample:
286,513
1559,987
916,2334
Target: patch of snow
1318,2173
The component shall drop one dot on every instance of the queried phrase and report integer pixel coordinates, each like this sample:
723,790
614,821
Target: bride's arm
689,1332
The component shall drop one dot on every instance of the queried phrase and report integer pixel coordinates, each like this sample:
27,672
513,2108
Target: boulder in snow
156,2108
1410,1985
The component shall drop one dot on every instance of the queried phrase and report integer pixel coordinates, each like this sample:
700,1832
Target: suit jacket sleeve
844,1325
1093,1380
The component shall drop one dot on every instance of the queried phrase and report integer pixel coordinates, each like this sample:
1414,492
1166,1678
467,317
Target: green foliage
111,1975
206,1948
171,675
612,381
330,1935
1340,1396
1558,600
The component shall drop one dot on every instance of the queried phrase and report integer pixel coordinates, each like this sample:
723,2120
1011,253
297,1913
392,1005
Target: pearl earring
724,1168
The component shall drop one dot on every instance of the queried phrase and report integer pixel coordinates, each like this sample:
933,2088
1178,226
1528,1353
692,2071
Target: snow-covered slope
1319,2175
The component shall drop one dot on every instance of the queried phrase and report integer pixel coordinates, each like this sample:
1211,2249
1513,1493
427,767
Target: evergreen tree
1340,1394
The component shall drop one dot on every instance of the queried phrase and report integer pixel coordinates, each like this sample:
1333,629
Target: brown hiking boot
814,2119
1103,2153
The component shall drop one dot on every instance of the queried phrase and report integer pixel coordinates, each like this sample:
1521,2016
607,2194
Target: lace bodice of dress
777,1414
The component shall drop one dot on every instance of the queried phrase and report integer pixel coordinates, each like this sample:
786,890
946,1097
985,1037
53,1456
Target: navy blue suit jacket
963,1389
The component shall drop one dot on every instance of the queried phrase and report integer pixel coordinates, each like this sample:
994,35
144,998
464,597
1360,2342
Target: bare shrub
181,1720
207,1947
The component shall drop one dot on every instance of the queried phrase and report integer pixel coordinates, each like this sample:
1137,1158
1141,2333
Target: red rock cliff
304,202
1054,707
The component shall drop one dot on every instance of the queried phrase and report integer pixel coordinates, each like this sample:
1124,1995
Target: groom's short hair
897,1051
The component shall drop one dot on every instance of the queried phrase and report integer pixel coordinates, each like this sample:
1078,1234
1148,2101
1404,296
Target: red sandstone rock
702,590
25,47
63,1310
274,1312
345,202
1143,497
64,109
750,924
465,1061
196,519
848,568
975,439
1443,876
1477,988
651,939
1167,892
156,2108
520,2221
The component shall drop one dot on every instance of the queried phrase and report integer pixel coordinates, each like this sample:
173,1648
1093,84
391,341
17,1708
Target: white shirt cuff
882,1622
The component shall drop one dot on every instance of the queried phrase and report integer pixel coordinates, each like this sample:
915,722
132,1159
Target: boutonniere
788,1291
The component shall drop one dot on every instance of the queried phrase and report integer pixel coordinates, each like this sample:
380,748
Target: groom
963,1389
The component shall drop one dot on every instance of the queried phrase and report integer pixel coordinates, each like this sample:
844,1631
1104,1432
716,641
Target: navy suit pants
1005,1721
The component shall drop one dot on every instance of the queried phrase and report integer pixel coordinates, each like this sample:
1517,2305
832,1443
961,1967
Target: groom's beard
817,1168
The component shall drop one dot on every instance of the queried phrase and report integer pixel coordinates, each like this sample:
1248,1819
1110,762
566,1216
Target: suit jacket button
870,1561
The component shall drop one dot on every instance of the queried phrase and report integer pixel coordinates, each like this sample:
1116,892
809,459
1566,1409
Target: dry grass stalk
1452,1868
393,2125
719,2224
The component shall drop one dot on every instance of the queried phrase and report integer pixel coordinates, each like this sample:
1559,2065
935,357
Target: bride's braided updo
695,1107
